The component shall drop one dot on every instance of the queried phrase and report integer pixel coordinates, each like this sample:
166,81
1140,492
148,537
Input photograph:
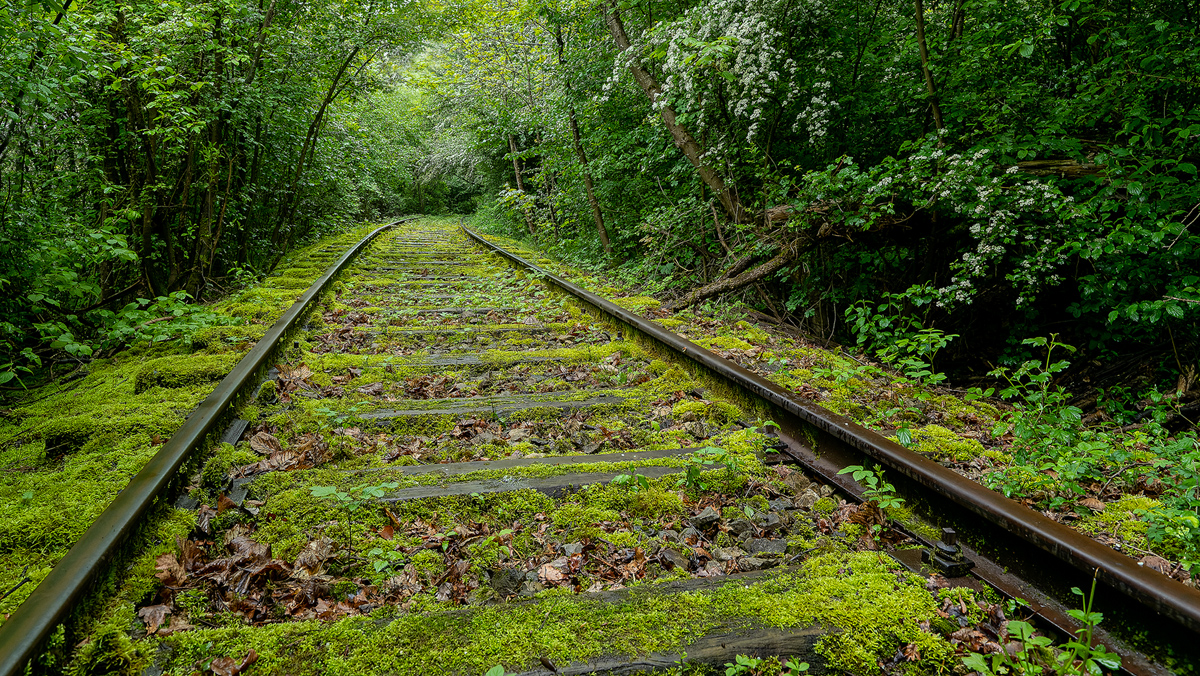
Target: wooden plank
716,649
555,486
499,407
456,468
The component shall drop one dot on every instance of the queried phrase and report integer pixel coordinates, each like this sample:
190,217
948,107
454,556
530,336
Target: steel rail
1150,589
34,620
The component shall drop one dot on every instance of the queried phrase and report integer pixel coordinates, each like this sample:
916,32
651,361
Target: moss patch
183,370
1121,519
873,609
940,443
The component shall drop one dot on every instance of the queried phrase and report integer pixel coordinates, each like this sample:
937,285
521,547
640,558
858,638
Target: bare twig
25,578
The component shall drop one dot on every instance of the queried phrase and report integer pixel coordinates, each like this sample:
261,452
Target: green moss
654,503
940,443
724,343
824,506
637,303
758,503
753,333
288,283
871,608
110,650
428,563
964,597
719,412
183,371
578,521
1120,518
221,338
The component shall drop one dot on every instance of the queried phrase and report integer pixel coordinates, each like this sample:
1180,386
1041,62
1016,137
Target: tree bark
597,215
683,140
933,102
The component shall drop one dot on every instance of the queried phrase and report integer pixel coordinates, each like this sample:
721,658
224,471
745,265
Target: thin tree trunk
258,42
310,141
597,215
512,147
683,140
933,102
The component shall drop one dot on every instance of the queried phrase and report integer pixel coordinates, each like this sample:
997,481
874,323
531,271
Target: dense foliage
995,169
152,150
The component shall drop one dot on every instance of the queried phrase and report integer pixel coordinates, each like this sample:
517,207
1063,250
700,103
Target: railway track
448,459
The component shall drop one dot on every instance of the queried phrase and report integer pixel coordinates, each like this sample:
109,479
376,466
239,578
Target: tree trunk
597,215
683,140
512,147
258,42
933,102
309,148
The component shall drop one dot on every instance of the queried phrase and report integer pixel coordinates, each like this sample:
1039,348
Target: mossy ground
864,604
67,449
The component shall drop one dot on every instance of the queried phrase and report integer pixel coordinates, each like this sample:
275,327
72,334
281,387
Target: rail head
32,623
1149,588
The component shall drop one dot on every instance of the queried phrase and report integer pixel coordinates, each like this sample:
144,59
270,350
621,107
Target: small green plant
1037,654
764,666
331,418
743,665
634,482
915,354
10,370
841,375
1048,438
704,459
385,560
352,499
897,335
875,488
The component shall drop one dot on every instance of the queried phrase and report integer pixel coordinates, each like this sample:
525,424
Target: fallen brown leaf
170,571
224,503
153,616
265,444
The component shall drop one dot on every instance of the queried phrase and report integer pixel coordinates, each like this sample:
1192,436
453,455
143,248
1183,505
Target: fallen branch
790,253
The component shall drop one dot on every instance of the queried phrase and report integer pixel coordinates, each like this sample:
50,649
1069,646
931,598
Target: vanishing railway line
447,459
